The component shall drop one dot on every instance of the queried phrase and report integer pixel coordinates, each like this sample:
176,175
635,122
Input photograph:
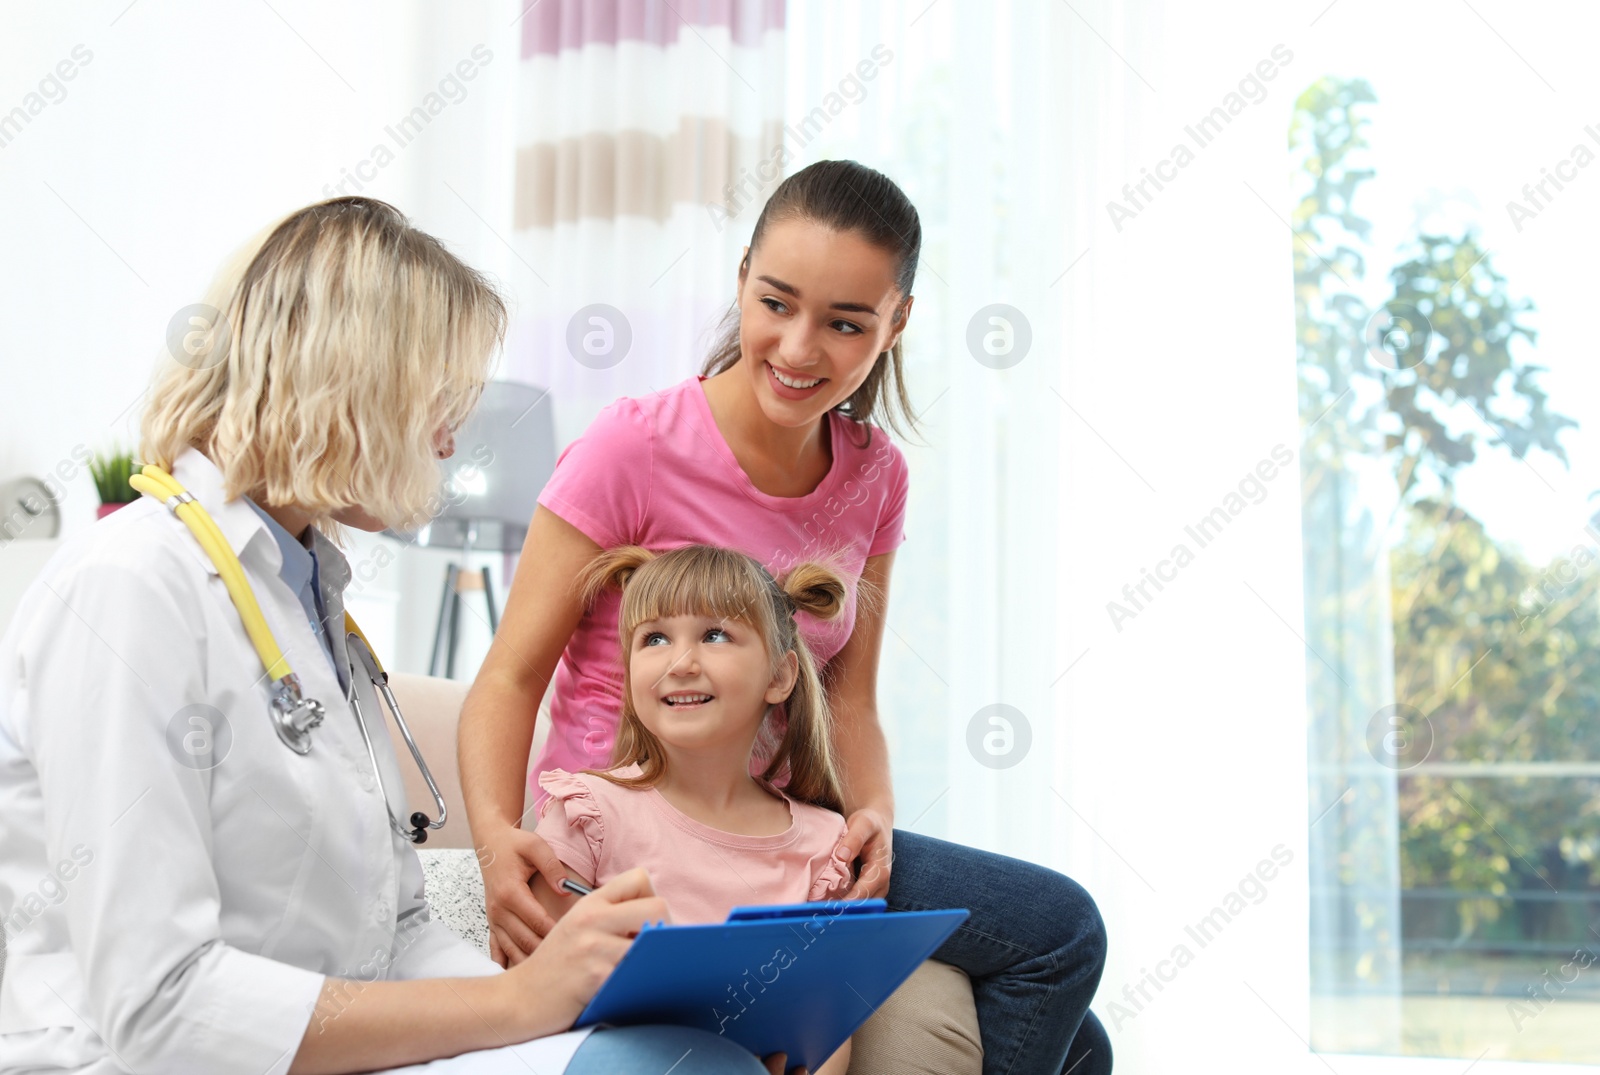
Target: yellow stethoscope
293,714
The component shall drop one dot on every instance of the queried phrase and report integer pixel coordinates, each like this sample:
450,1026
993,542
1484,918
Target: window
1450,479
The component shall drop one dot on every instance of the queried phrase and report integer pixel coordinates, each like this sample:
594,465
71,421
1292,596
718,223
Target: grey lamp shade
504,454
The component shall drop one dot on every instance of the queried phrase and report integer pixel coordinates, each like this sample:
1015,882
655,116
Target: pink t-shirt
599,830
655,471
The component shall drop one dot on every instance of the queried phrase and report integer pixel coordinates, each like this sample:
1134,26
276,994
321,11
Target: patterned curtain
650,133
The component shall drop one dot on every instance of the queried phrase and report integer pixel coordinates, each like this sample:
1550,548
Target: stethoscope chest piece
294,715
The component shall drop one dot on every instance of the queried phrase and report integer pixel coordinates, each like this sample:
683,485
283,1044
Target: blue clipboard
795,978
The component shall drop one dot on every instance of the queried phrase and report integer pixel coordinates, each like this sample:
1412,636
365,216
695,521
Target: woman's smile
790,385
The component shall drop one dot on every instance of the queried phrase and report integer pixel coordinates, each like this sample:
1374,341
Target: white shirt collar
298,568
240,524
200,476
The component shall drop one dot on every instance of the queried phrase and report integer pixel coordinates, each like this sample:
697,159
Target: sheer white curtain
1183,757
1167,753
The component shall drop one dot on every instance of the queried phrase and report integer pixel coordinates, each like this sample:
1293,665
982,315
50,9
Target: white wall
188,126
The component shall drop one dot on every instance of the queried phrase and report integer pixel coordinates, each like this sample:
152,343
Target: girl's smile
688,699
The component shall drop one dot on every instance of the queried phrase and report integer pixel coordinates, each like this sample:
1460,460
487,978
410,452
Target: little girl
722,782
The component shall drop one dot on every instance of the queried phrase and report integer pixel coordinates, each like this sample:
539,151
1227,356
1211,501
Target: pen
574,887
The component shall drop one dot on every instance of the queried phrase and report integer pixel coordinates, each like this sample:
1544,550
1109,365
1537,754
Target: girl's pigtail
806,750
616,567
613,567
815,588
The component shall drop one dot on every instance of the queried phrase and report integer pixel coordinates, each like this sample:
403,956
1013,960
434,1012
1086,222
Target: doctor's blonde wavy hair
339,341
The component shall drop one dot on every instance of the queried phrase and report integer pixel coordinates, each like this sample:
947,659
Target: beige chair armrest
432,707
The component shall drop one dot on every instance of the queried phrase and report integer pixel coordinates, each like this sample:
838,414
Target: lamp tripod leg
436,662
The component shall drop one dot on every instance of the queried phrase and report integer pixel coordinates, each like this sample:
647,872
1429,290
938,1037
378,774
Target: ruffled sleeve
571,822
834,879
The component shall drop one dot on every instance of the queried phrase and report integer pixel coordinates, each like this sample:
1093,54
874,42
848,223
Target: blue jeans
1034,947
652,1050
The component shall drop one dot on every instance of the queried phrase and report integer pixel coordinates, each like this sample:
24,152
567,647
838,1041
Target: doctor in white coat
182,891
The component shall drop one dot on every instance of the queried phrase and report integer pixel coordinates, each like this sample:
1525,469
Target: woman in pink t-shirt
773,450
721,703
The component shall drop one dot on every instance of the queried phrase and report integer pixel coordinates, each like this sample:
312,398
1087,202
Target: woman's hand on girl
579,953
517,924
869,835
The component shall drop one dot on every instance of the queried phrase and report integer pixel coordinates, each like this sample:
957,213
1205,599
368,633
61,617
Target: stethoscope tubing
294,715
356,643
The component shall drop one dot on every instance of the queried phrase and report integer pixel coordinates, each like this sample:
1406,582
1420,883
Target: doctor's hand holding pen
571,964
775,1063
362,1026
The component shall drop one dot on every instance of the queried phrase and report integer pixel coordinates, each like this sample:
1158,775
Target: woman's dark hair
848,197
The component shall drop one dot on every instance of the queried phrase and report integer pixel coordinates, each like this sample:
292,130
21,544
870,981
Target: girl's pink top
600,829
655,471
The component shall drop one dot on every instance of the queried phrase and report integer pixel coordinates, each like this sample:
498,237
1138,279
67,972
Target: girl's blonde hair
332,348
725,584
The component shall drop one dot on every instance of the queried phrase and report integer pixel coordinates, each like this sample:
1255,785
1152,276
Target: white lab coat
161,915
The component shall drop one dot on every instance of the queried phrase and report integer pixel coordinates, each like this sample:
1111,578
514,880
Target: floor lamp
504,454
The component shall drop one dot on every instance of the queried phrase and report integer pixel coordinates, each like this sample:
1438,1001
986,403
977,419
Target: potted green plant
112,472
